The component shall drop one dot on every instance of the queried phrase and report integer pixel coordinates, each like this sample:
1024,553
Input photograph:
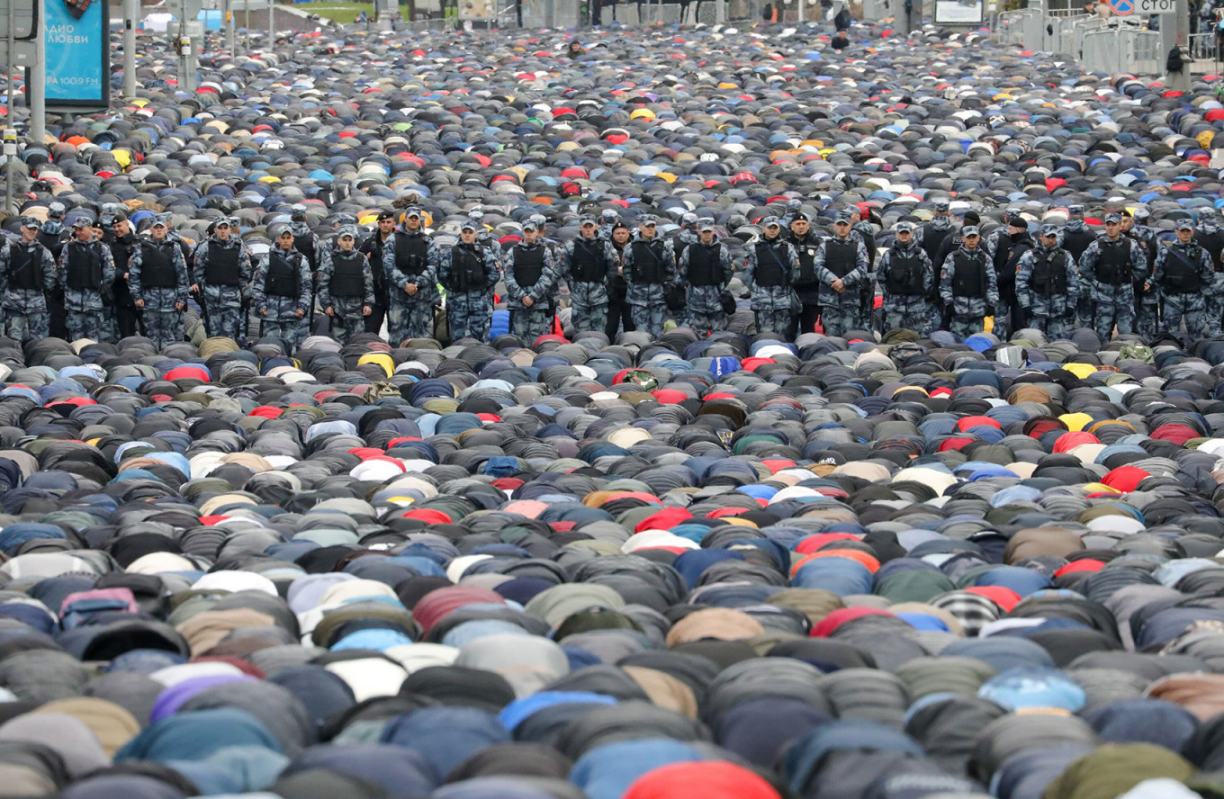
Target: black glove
990,310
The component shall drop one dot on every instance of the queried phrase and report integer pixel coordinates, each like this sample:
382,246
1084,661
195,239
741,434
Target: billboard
958,12
77,48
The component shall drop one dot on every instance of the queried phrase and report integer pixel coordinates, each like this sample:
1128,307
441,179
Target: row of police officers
112,282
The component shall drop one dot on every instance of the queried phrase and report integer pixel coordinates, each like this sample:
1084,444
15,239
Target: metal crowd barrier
1122,48
1204,46
1100,44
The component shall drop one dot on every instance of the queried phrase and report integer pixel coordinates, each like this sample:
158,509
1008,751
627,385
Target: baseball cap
842,215
412,211
904,227
770,221
348,231
1113,218
689,218
646,220
56,210
586,220
468,226
940,204
29,221
297,212
971,230
530,226
706,224
1075,210
1049,230
1184,224
81,222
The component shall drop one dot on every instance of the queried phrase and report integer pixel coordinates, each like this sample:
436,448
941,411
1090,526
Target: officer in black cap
1006,246
372,248
806,242
123,242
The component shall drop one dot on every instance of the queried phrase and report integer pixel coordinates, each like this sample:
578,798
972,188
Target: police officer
52,234
906,276
649,271
842,265
409,264
281,290
1210,237
123,243
807,286
969,285
1182,273
1006,246
931,236
372,248
590,268
531,275
308,244
772,269
346,287
1047,285
705,269
224,270
159,283
28,277
608,217
87,269
686,235
468,272
1108,267
1147,298
1076,236
861,228
619,316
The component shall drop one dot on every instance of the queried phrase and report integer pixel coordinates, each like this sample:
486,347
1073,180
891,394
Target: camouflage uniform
932,235
158,275
282,292
705,269
1211,237
468,273
1183,274
346,283
1048,288
307,243
53,235
223,270
1074,237
590,266
531,271
845,258
1147,305
649,270
27,277
906,277
410,258
772,270
969,286
1107,268
1005,250
86,268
